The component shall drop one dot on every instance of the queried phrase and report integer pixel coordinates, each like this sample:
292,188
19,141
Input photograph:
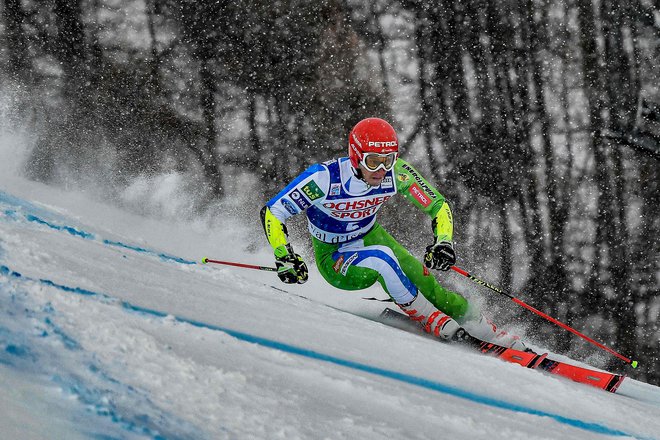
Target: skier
341,198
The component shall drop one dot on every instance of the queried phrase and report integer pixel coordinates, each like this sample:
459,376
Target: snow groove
32,343
15,214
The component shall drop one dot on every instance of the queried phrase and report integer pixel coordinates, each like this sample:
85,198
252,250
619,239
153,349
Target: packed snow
111,328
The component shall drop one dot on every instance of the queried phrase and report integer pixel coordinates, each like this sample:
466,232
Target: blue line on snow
83,234
24,204
164,257
407,378
69,229
390,374
108,399
77,290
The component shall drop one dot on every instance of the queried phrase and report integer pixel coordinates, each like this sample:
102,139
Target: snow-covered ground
111,329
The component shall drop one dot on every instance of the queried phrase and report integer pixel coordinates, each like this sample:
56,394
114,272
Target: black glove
290,266
440,256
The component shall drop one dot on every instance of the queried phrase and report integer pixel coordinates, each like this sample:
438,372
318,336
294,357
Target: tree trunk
506,265
255,145
71,47
556,276
382,44
622,114
17,46
529,191
421,39
155,61
211,162
594,88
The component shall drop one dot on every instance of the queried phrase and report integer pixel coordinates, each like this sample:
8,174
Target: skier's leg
356,266
466,313
444,299
337,268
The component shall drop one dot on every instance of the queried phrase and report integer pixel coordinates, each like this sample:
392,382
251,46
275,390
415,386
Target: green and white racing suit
352,250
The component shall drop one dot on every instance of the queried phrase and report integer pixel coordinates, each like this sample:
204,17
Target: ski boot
433,321
486,330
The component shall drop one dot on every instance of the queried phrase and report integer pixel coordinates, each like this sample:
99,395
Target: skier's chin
374,178
375,181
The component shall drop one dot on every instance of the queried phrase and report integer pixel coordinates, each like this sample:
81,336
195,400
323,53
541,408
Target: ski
527,359
600,379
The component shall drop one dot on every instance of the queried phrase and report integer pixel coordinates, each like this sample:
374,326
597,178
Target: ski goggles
375,161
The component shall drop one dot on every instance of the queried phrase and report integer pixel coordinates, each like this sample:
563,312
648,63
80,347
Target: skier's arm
439,255
443,223
424,196
276,232
310,187
300,194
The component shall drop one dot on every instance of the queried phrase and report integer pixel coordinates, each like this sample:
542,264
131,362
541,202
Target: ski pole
540,313
247,266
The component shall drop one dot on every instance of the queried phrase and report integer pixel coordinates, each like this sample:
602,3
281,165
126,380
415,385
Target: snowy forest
539,120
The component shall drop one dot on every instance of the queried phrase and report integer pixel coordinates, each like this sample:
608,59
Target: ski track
40,347
33,336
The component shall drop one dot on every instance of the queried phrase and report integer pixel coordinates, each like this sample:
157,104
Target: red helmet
371,135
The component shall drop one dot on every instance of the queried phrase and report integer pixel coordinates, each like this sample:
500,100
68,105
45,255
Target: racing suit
352,251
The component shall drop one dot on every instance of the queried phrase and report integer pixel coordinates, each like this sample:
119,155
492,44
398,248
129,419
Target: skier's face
373,178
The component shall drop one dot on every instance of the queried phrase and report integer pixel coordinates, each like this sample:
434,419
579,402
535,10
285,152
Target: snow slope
109,329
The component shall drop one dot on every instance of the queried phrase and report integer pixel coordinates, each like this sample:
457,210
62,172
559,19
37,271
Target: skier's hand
440,255
290,266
